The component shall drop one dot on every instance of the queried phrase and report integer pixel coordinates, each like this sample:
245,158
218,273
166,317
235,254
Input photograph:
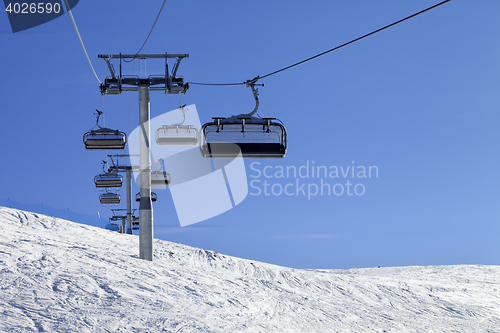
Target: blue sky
419,101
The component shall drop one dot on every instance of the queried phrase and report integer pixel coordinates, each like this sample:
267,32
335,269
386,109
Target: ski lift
154,197
109,179
135,223
160,178
104,138
112,226
109,198
244,135
253,137
177,134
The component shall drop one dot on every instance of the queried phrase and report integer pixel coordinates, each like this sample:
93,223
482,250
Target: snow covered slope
59,276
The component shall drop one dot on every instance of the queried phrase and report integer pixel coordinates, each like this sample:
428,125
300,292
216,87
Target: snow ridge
59,276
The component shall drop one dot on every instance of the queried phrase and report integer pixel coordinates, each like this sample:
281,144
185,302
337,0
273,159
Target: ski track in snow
59,276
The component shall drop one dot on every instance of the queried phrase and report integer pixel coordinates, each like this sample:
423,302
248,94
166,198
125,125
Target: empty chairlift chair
112,226
109,198
154,197
251,136
160,178
109,179
177,134
104,138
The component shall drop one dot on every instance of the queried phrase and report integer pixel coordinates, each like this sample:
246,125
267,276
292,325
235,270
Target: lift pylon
116,168
170,84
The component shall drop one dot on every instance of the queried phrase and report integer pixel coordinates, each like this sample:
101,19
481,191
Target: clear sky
418,102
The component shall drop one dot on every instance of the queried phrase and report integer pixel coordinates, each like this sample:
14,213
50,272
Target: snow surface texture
59,276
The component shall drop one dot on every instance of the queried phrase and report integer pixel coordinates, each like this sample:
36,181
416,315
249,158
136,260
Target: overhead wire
158,16
357,39
217,84
269,74
327,51
80,38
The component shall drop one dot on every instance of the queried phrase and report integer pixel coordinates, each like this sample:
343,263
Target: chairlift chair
112,227
160,178
154,197
109,179
177,134
104,138
109,198
244,135
253,137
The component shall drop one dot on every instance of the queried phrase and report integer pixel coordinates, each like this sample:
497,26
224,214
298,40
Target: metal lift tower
170,84
128,169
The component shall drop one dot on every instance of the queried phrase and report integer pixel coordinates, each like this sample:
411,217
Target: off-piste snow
60,276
